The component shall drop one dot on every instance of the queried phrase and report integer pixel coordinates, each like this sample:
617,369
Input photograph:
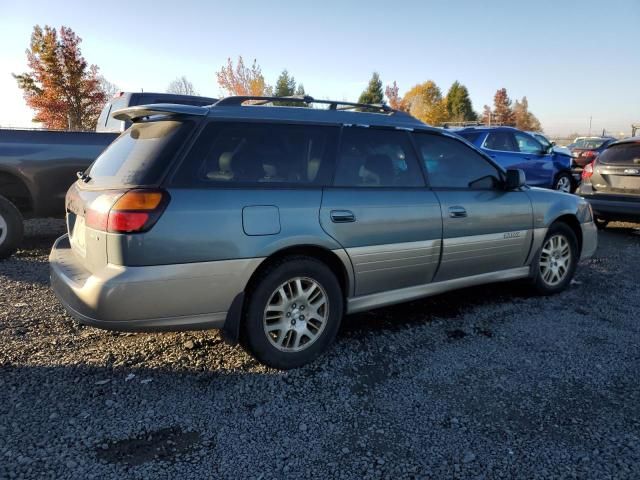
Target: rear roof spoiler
141,111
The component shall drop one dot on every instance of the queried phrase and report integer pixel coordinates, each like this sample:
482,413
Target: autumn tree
525,120
424,101
502,111
459,108
109,88
393,95
62,88
373,93
242,80
181,86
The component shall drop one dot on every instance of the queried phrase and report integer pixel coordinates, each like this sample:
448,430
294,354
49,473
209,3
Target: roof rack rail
238,100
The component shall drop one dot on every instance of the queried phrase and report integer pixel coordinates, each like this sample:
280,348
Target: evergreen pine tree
373,92
459,108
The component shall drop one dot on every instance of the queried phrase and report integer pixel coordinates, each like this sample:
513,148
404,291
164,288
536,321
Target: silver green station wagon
272,222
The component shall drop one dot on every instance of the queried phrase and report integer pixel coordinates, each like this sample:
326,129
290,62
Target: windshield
589,143
140,155
624,153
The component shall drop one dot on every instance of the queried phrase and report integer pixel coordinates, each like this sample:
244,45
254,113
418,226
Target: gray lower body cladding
162,297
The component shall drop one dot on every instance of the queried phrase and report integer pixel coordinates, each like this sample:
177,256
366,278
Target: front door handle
457,212
342,216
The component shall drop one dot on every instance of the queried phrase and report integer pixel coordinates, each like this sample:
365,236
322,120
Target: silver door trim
367,302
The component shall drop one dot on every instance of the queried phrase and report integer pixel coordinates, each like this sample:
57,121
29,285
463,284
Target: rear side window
502,141
622,154
141,155
372,157
251,153
116,104
452,164
470,136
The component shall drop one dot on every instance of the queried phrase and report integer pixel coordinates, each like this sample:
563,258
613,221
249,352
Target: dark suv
272,222
611,183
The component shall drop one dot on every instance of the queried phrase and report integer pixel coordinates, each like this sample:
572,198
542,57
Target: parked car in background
611,183
38,166
272,222
586,149
513,148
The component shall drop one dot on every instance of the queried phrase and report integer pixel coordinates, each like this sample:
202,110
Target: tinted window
624,153
377,158
590,143
502,141
470,136
528,144
452,164
232,153
141,154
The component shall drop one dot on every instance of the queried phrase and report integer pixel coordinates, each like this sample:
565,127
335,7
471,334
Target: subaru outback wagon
273,222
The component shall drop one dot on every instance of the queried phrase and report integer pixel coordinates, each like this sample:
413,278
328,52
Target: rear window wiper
84,176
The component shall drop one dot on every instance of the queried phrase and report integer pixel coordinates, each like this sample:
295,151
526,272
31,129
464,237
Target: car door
539,170
485,228
502,146
380,211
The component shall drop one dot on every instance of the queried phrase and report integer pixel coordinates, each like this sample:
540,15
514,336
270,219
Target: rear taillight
589,154
133,211
587,171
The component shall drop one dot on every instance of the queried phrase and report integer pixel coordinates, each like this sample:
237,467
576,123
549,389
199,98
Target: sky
573,60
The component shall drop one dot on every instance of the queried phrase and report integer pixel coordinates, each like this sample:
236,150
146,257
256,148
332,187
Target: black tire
12,229
564,179
539,283
601,223
254,337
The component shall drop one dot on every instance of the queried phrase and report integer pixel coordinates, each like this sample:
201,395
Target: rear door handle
457,212
342,216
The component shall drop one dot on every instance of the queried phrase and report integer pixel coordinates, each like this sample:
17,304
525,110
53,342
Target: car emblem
631,171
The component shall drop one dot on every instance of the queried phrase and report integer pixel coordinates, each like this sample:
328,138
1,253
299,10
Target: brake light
589,153
588,171
133,211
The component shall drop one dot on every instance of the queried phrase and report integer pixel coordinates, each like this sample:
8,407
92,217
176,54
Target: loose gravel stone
487,383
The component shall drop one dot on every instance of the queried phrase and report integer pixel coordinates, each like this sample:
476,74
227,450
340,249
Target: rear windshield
590,143
624,154
141,155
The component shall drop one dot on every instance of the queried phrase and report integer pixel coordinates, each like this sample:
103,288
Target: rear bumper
615,207
589,239
164,297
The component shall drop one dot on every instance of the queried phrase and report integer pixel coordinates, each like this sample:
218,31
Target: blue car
513,148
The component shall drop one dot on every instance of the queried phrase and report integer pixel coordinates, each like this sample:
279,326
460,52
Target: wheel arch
572,222
337,260
16,190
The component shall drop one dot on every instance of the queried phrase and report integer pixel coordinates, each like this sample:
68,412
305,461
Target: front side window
452,164
232,153
501,141
371,157
528,144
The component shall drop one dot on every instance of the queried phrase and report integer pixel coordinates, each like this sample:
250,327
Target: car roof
487,128
234,108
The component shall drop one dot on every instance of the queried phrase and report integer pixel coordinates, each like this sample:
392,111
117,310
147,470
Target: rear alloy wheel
563,183
11,228
557,259
293,313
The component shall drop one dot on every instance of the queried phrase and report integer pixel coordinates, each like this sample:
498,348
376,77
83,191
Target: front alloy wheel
555,260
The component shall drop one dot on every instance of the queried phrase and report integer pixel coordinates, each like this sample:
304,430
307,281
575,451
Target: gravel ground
481,383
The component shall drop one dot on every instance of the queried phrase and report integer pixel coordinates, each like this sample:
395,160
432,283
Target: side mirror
515,179
553,144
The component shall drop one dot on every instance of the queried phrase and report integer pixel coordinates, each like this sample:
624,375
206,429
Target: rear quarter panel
203,225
